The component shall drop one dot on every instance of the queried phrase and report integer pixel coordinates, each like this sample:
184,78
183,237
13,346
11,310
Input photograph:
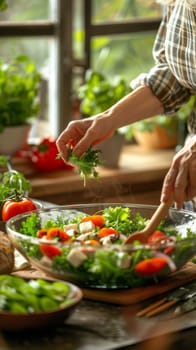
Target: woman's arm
139,104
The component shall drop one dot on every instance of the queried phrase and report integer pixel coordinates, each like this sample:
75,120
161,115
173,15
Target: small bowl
109,265
10,321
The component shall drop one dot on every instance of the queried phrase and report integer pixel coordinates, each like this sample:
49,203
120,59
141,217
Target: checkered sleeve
161,79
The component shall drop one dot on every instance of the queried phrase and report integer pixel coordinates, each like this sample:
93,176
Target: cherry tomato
91,242
42,233
157,236
58,234
150,267
98,220
106,231
50,250
12,207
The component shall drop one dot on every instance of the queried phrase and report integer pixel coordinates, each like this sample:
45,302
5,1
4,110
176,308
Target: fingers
71,136
82,134
180,178
191,191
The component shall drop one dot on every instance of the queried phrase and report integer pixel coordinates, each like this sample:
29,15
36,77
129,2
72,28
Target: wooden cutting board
129,296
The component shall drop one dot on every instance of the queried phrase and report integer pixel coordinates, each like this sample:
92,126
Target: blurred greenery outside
125,55
108,53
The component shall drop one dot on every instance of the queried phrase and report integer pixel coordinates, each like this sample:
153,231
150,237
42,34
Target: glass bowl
59,242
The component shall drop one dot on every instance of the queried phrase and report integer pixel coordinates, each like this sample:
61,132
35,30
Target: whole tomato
14,207
44,156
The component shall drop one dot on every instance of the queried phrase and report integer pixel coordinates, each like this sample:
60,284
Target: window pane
124,10
38,50
23,10
123,54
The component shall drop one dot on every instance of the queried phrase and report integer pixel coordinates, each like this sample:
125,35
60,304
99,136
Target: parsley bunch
13,184
86,164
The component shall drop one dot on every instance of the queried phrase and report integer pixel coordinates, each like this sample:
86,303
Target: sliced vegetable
50,250
29,296
149,267
107,231
157,236
98,220
42,233
58,234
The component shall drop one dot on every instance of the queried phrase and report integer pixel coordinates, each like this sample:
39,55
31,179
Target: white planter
13,138
111,150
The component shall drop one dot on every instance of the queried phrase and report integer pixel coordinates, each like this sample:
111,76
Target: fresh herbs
119,219
13,184
86,164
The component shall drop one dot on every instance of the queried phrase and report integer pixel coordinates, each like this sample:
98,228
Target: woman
168,85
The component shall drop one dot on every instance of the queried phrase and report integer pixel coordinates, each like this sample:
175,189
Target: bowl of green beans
35,303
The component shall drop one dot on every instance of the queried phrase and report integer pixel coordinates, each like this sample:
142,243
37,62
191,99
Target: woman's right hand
82,134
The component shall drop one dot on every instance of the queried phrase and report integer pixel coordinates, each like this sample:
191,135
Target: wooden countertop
138,168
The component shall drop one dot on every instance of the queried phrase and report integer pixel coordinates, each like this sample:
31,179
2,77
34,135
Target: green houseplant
19,98
97,94
161,131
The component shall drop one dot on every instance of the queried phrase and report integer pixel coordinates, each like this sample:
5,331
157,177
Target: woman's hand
181,177
84,133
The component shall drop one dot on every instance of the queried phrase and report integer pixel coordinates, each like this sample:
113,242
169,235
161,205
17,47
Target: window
65,37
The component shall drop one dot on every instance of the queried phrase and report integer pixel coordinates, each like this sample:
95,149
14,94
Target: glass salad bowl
84,243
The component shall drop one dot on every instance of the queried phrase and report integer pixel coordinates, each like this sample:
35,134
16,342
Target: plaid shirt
173,78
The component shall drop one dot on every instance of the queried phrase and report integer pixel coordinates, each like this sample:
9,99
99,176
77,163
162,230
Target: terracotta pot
158,138
13,138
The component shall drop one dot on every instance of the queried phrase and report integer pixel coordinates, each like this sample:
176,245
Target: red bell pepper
44,156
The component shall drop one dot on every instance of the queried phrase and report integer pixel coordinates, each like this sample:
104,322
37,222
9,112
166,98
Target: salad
89,249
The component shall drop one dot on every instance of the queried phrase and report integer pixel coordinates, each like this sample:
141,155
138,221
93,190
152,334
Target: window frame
61,30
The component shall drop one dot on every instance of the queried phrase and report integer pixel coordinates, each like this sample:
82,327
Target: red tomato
42,233
106,231
12,207
169,250
91,242
58,234
50,250
44,156
150,267
98,220
157,236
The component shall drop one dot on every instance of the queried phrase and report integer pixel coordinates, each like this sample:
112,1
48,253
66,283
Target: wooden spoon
158,215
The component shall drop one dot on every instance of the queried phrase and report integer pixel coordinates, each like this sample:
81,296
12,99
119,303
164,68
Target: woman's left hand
181,177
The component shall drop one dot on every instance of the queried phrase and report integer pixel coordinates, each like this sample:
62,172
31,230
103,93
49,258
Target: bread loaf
6,254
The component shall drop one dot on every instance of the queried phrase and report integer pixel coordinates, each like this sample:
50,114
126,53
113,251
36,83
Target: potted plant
97,94
161,131
19,102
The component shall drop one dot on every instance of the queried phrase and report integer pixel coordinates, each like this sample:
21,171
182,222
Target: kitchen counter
138,179
100,326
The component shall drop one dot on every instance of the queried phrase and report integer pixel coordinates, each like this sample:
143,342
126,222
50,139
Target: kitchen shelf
138,179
